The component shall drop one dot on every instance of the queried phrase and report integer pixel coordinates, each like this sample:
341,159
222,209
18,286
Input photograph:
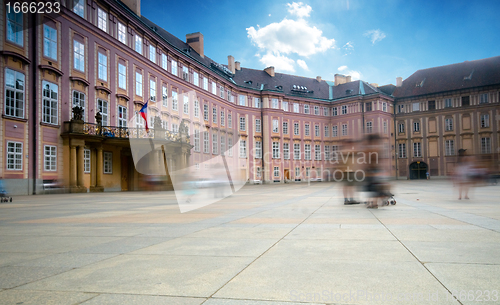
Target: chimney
270,70
318,78
374,85
348,79
230,63
237,65
399,81
339,79
134,5
195,41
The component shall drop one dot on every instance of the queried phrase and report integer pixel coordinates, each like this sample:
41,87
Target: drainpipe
395,140
34,94
262,172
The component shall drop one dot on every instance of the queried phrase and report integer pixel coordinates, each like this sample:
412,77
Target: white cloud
348,48
375,35
342,68
299,9
302,64
290,36
279,62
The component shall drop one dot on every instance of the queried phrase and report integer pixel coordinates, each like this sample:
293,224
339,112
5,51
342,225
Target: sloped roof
468,74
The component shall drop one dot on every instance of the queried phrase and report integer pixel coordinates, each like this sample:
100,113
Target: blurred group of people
362,168
470,172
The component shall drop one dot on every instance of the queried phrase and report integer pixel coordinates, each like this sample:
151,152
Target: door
418,170
125,173
287,174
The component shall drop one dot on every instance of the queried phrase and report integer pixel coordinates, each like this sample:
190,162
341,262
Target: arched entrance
418,170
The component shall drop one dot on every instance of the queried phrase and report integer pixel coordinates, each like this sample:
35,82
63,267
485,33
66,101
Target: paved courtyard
265,245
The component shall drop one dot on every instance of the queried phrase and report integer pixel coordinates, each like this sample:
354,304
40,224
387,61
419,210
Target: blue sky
372,40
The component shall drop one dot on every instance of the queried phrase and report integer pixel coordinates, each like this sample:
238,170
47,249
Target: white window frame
49,42
229,120
275,126
101,106
122,76
152,90
447,103
316,110
78,55
122,116
196,140
174,68
243,124
222,118
15,28
138,44
243,149
122,33
206,146
256,102
77,100
275,103
286,151
296,129
486,145
164,61
296,151
196,79
14,156
164,95
335,131
402,150
316,131
107,162
334,111
306,109
186,104
230,146
102,66
258,126
317,152
102,19
326,129
214,115
485,120
49,158
152,53
345,130
417,150
448,123
215,146
415,107
285,127
284,106
276,171
205,112
50,105
307,130
307,151
369,127
449,147
175,101
258,149
296,108
86,160
276,150
196,108
242,100
344,109
14,107
416,126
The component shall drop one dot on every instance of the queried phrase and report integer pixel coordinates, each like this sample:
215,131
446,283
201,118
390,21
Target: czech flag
144,114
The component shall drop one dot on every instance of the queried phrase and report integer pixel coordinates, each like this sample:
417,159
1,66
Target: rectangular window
196,140
415,107
108,162
242,124
416,126
15,27
102,107
276,171
230,146
243,149
205,112
138,44
164,96
196,109
417,150
175,104
402,150
78,56
317,152
221,91
307,151
297,172
205,142
284,106
368,107
449,147
222,145
385,127
215,136
344,109
122,33
448,124
326,131
335,152
102,19
286,151
276,150
14,93
256,102
152,53
401,128
325,111
205,83
49,158
103,67
122,116
334,111
174,67
14,156
285,127
122,76
222,118
86,160
79,101
384,107
335,131
196,79
369,127
307,130
296,129
316,130
485,145
296,108
242,100
49,42
275,125
485,120
175,128
296,151
185,73
306,109
258,127
401,108
447,103
465,100
258,149
214,115
275,104
164,62
483,98
152,90
50,103
327,152
431,105
344,130
259,172
186,104
78,7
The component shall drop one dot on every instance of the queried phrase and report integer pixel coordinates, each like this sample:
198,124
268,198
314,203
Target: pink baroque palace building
109,60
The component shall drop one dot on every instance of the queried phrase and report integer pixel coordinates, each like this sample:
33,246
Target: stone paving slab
26,297
128,299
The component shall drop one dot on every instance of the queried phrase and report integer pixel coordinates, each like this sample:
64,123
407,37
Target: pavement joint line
285,202
421,263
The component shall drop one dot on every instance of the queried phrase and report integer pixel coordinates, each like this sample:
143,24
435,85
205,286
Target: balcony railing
131,132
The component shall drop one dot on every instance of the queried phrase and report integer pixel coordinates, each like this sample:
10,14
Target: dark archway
418,170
